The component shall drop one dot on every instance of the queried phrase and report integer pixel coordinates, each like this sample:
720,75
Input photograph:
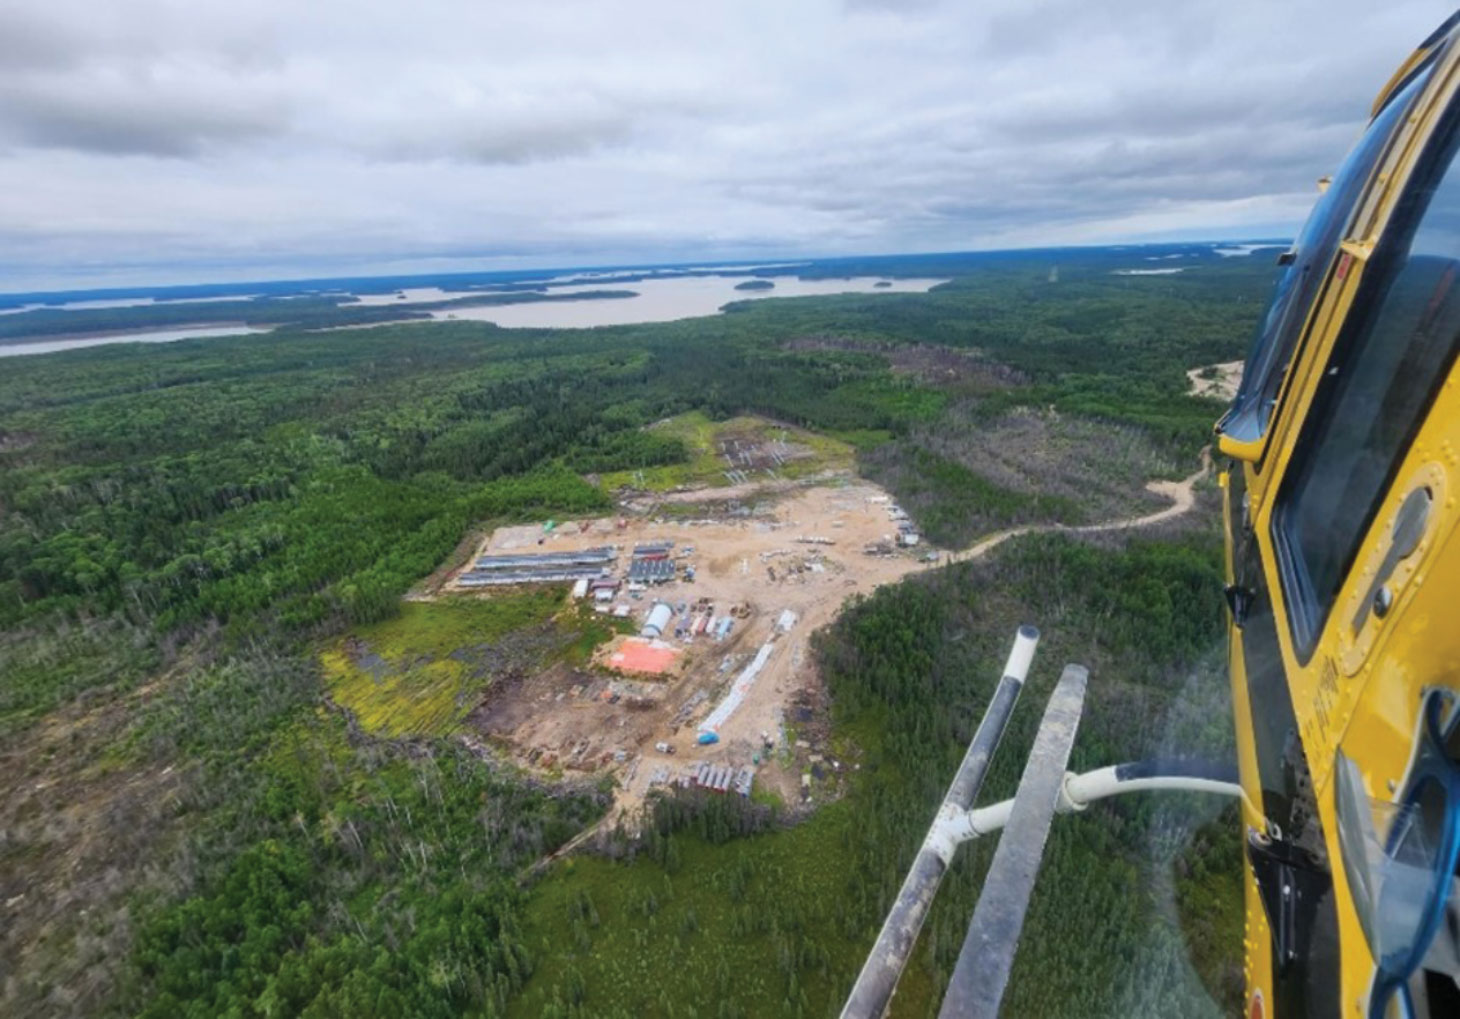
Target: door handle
1239,599
1409,528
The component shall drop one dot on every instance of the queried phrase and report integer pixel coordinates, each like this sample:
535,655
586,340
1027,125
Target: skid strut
1046,788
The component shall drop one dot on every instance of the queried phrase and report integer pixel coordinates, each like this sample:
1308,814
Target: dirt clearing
1216,380
764,579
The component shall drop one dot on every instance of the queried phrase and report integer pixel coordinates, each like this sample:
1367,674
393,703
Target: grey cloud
903,7
129,125
1060,180
364,132
30,43
127,89
490,136
489,126
525,144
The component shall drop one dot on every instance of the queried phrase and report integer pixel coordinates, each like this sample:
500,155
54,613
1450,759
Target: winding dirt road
1181,493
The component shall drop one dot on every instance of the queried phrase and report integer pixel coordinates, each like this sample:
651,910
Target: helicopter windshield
1306,267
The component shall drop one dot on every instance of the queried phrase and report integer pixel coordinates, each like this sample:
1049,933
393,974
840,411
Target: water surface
668,300
141,336
664,298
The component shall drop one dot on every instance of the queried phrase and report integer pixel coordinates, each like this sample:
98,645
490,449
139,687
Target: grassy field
706,439
420,672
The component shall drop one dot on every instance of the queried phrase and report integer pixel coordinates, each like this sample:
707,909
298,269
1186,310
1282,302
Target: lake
667,300
121,302
147,336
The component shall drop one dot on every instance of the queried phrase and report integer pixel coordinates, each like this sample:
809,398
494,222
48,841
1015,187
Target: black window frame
1290,864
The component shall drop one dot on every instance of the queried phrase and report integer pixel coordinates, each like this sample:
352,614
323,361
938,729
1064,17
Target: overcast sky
146,141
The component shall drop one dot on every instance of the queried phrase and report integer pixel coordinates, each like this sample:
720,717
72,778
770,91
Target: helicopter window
1307,266
1394,353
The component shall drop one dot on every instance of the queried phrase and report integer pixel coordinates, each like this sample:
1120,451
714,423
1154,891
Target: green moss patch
420,672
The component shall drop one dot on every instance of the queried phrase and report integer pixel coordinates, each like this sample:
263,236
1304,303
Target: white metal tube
986,820
1022,653
1080,791
1103,782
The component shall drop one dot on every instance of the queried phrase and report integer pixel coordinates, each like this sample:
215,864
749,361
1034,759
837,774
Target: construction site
714,686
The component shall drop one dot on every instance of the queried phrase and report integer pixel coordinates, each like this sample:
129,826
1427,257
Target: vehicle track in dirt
1181,493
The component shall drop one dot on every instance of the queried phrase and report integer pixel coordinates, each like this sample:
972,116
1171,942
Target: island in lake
755,285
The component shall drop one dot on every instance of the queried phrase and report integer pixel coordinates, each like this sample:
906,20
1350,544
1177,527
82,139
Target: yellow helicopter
1340,510
1341,483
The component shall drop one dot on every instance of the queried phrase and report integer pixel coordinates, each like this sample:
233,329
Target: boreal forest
195,823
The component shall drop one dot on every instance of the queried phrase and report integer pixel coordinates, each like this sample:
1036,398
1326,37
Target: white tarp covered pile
738,690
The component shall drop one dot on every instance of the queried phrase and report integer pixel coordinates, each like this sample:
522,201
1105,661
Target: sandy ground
751,566
1223,387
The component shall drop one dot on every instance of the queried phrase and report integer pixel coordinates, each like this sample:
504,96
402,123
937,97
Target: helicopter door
1353,472
1367,497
